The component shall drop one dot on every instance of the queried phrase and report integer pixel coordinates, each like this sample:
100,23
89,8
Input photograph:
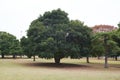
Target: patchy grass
41,69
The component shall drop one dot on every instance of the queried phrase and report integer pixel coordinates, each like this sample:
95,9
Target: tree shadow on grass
59,66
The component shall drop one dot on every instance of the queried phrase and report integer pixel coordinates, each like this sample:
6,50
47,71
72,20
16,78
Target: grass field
41,69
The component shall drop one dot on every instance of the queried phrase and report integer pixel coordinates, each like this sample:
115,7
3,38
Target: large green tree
52,35
47,34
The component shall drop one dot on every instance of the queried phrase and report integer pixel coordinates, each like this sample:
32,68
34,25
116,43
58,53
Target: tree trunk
3,56
87,59
106,61
34,58
98,57
106,52
14,56
29,56
116,58
57,60
20,56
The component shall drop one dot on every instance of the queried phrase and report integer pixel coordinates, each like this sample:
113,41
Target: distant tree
97,46
106,46
15,48
25,44
8,44
116,38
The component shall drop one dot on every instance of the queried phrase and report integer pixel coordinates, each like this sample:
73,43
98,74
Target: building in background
103,28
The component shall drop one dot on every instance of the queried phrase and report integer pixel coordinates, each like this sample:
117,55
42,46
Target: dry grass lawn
41,69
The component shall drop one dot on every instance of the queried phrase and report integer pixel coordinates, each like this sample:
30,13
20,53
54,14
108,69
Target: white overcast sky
16,15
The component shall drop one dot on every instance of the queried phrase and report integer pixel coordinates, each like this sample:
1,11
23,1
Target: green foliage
54,17
119,25
8,44
47,48
115,35
97,48
15,48
80,35
25,45
98,45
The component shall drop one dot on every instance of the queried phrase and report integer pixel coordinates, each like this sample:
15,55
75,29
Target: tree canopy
8,44
54,36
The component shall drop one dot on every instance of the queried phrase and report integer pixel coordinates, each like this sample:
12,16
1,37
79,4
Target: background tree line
54,35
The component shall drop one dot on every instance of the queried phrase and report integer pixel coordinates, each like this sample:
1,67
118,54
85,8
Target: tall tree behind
80,35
